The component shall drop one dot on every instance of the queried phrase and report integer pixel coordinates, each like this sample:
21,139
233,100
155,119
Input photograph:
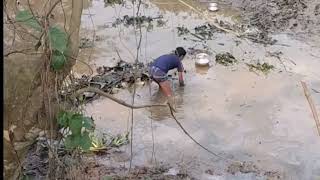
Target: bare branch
119,101
33,16
312,107
52,8
20,52
91,70
64,16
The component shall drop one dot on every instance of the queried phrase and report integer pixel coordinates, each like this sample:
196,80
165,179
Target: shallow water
232,111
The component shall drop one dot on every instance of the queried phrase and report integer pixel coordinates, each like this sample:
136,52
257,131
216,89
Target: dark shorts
157,74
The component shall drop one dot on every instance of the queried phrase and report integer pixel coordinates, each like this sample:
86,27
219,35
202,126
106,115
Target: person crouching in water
160,67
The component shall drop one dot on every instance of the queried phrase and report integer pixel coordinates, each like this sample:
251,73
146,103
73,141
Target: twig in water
316,91
312,106
94,33
134,85
131,141
117,51
98,91
195,141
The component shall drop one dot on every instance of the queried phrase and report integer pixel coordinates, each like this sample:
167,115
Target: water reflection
158,97
202,70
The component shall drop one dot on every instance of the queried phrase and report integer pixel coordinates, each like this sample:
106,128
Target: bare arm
180,70
181,81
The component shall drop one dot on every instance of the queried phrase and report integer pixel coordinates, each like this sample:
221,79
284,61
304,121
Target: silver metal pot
213,7
202,59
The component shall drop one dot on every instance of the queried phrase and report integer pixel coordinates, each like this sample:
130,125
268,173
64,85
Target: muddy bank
70,165
300,17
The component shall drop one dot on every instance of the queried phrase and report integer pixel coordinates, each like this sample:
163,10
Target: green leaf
75,125
107,178
88,123
70,142
58,39
26,177
26,17
63,119
58,61
85,141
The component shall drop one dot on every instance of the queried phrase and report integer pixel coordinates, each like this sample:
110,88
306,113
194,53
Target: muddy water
234,112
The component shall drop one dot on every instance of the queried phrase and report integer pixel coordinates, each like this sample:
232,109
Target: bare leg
166,89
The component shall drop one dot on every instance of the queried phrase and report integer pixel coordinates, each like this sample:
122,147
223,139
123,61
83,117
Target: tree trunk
30,90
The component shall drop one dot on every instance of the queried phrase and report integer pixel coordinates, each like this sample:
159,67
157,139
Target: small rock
89,94
6,135
115,90
22,145
172,172
209,171
124,84
42,134
245,167
27,122
100,70
32,134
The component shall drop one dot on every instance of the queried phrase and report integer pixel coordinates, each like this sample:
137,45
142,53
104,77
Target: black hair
180,51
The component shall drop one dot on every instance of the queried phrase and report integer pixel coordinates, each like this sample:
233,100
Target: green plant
265,67
80,127
57,38
26,17
225,59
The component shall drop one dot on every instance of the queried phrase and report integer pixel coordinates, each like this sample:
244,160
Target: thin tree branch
91,70
52,8
119,101
33,16
312,106
135,73
20,52
64,16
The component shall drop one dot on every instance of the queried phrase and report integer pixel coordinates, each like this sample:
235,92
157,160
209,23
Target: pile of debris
202,32
94,170
250,167
112,2
36,164
206,32
225,59
109,79
300,16
138,20
265,67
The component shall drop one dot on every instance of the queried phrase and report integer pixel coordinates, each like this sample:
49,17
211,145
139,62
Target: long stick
313,108
119,101
195,141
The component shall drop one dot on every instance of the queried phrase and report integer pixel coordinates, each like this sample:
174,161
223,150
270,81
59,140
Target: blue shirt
168,62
